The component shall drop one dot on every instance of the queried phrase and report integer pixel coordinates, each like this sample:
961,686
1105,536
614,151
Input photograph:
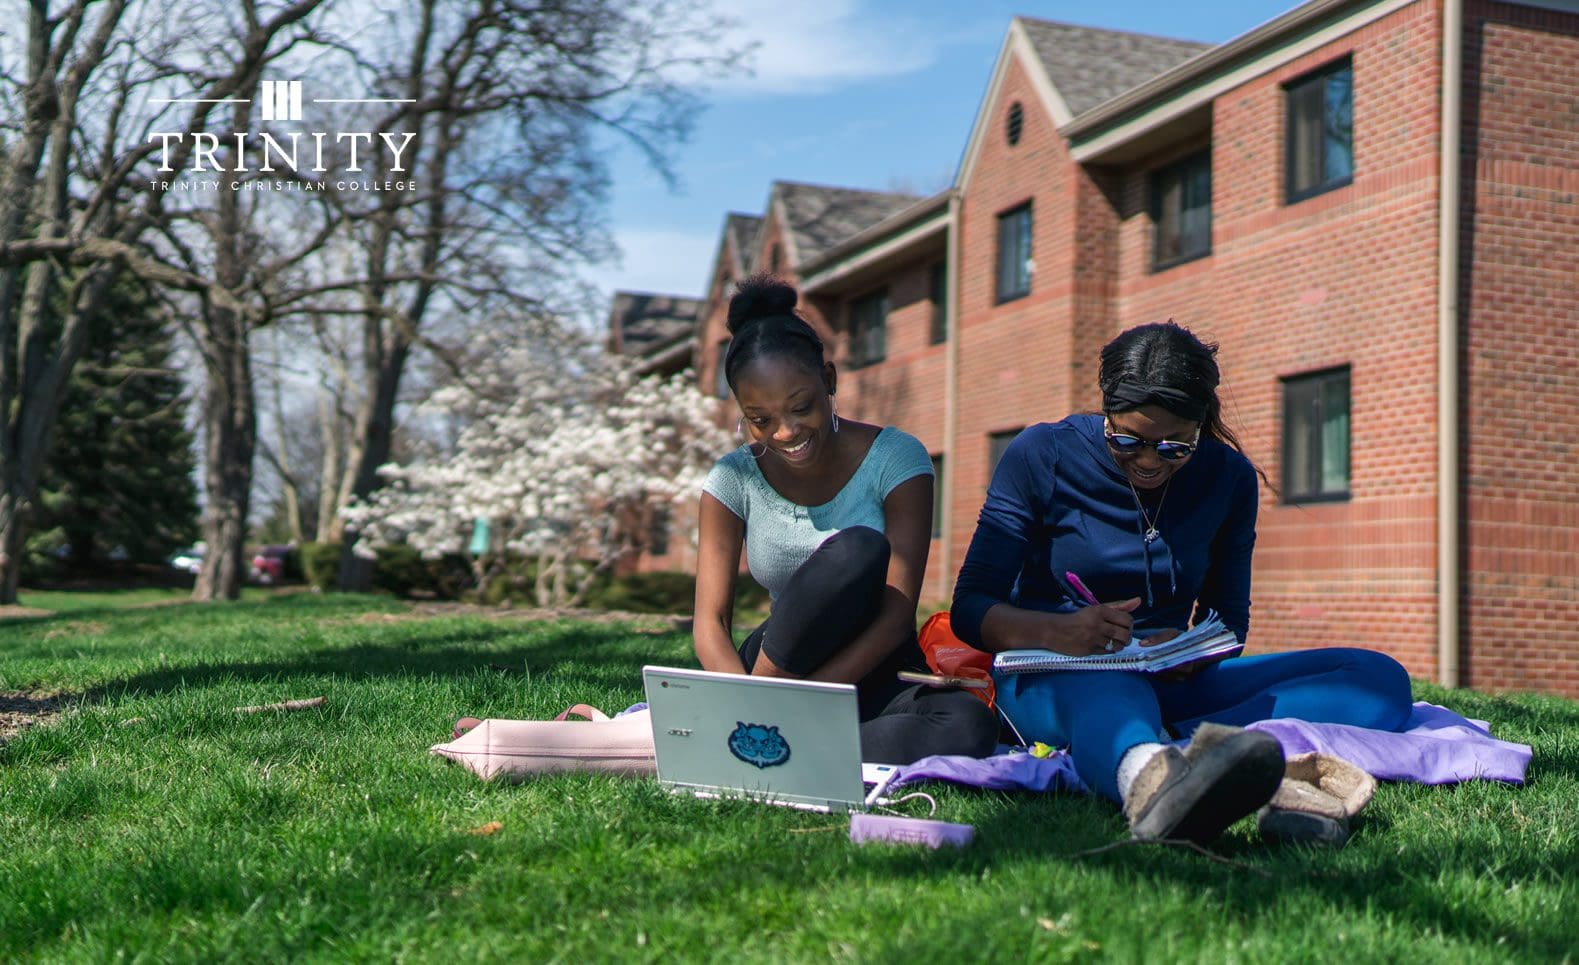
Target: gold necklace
1150,536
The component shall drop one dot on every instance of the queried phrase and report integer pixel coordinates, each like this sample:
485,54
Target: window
1014,254
720,379
939,295
1320,131
1316,436
868,328
658,530
1014,124
1181,211
775,259
937,497
997,442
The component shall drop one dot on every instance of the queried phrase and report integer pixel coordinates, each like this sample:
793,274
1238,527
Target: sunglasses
1124,444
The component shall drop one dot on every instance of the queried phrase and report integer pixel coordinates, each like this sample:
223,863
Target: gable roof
741,229
1073,70
1090,66
915,230
644,324
817,217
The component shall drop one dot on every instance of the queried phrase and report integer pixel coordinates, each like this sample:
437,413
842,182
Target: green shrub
659,592
514,583
750,595
321,564
402,571
397,569
668,591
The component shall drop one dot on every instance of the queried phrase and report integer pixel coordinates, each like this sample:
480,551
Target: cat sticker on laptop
759,744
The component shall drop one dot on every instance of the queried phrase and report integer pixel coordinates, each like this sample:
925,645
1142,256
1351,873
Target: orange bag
952,657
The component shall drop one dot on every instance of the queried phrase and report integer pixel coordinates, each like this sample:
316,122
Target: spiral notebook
1209,638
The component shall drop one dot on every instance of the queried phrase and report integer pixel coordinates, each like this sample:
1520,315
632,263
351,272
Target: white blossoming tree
562,450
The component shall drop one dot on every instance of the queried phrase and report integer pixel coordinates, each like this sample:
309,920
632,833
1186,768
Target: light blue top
781,535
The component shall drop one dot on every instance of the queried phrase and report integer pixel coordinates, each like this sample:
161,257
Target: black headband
1125,396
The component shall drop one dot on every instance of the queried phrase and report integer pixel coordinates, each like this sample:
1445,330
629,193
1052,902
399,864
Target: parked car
268,564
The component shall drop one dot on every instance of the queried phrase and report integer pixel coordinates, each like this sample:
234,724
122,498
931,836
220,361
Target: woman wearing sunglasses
1152,505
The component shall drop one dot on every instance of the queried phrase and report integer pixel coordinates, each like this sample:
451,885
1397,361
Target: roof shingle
648,323
1090,66
819,217
743,228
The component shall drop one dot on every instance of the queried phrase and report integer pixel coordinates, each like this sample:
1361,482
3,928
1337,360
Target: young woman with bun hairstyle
835,518
1152,506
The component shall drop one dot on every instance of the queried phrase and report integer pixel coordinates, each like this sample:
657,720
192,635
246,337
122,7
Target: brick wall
1014,358
1343,278
906,389
1520,339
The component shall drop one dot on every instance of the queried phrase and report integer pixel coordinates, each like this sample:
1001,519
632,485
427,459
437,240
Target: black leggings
828,602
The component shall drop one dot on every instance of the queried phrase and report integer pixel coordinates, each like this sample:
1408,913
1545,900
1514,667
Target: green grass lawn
152,822
70,601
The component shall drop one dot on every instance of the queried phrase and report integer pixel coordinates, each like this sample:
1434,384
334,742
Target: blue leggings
1099,715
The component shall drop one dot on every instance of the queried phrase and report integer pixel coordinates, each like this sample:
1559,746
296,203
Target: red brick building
1372,205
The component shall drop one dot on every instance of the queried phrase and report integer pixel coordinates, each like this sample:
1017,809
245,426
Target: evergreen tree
119,478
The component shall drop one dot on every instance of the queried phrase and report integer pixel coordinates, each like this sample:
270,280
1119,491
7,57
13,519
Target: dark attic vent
1015,124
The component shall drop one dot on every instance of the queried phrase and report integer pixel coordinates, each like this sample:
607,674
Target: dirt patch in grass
78,628
21,710
12,611
647,622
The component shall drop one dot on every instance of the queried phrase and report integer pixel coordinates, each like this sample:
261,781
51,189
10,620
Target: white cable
921,794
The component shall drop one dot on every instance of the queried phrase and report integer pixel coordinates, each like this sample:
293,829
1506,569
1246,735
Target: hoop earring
835,406
740,433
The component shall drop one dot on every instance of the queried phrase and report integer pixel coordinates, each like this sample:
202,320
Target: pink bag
518,749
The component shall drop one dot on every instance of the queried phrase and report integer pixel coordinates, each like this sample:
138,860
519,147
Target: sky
871,94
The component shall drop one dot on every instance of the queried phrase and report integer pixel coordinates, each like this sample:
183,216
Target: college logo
759,744
286,154
281,100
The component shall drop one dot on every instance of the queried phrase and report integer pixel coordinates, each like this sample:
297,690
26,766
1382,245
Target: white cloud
657,260
813,46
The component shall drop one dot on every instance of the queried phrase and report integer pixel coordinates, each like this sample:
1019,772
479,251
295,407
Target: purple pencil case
897,830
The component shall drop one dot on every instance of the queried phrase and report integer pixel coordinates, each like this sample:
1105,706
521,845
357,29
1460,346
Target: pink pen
1080,588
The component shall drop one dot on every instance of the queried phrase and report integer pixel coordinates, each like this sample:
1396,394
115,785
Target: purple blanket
1436,746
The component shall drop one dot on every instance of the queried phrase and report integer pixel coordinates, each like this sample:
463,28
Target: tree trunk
293,513
375,429
333,436
38,384
289,484
13,530
230,438
230,419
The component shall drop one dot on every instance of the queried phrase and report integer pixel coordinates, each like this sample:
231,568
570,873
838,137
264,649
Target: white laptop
790,742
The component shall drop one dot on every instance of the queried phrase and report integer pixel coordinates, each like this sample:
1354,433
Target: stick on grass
284,705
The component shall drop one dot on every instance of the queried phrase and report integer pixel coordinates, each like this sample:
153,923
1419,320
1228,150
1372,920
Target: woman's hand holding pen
1102,628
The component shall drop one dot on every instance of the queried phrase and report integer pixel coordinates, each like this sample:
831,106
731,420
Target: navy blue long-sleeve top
1059,503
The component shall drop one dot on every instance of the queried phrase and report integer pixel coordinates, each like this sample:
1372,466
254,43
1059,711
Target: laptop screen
792,742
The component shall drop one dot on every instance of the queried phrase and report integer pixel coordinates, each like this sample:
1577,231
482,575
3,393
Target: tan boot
1316,801
1155,782
1226,774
